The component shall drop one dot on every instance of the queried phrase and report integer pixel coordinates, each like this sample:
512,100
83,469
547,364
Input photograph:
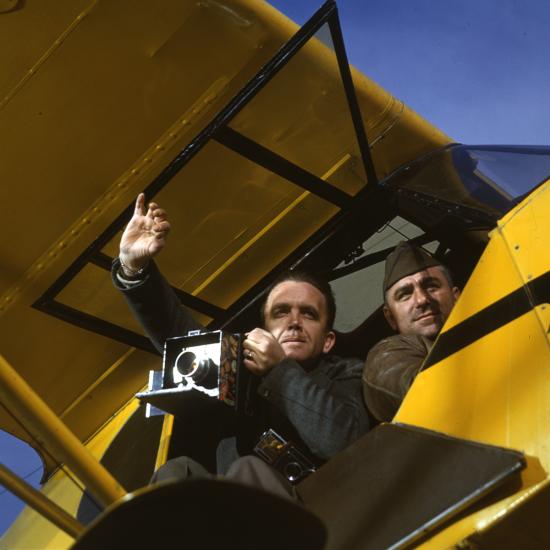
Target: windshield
489,178
514,170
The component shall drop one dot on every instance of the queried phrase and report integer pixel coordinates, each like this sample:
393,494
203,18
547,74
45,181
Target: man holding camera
308,396
419,295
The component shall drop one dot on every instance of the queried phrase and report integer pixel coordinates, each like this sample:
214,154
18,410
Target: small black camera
200,367
284,456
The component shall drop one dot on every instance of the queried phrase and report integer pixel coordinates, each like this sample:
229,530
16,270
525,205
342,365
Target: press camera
199,367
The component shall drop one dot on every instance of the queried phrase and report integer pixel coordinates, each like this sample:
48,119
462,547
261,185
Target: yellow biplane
269,153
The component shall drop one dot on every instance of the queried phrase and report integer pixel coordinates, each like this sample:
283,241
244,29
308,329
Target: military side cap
404,260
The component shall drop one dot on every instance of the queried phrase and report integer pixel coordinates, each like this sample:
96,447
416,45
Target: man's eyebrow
279,305
403,288
430,279
310,309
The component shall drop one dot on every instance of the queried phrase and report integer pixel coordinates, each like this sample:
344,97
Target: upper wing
96,99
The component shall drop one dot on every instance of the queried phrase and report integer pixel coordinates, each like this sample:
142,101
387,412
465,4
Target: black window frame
324,241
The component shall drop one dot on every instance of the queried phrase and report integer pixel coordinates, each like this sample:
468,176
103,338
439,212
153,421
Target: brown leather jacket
390,368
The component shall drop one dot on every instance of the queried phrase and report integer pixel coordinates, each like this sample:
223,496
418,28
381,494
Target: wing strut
44,426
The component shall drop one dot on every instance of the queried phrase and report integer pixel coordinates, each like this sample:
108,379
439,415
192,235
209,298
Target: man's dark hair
319,283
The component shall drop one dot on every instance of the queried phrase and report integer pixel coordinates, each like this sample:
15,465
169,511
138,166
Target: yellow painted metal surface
479,527
36,500
164,443
497,389
95,98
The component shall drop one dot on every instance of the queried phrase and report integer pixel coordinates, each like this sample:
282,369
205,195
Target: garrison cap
404,260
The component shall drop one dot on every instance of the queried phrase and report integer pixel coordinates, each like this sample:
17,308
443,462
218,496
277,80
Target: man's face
296,315
420,303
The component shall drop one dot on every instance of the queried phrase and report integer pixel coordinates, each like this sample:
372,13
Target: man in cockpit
419,295
307,395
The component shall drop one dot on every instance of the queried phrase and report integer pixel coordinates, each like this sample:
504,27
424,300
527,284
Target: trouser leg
247,470
250,470
180,468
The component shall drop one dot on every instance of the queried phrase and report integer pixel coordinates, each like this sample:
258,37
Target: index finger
140,205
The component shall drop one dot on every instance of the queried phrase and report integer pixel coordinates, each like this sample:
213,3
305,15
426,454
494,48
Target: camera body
284,456
206,362
200,367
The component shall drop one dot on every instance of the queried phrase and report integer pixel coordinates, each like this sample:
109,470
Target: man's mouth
426,316
292,340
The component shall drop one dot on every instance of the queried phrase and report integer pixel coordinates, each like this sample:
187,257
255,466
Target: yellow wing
96,101
260,165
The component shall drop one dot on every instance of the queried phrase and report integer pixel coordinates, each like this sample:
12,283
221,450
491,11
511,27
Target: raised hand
144,236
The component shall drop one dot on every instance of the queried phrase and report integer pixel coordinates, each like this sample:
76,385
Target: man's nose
421,297
294,320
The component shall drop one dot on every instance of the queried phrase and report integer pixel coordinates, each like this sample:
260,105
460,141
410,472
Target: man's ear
330,340
389,317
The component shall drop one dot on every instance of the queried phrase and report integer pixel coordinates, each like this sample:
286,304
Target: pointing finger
140,205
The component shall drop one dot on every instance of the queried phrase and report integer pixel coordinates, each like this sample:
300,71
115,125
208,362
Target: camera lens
293,471
186,363
206,373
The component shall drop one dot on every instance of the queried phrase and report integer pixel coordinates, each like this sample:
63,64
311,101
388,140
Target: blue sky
478,69
20,458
